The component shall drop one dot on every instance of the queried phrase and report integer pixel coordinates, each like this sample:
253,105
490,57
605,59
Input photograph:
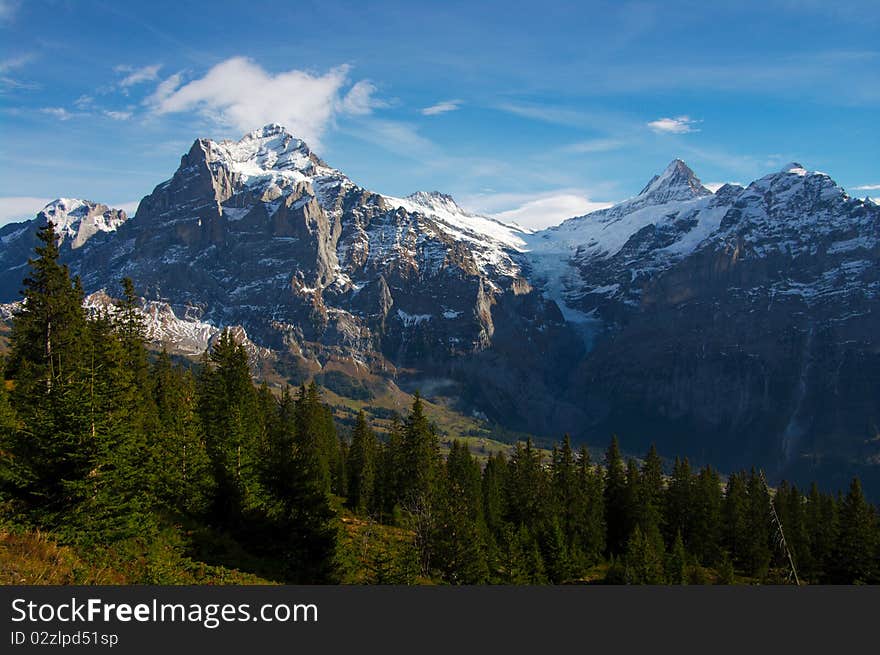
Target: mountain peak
676,182
795,168
271,148
268,130
79,220
435,200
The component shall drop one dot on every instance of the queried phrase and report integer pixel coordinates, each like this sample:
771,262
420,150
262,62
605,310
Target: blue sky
530,111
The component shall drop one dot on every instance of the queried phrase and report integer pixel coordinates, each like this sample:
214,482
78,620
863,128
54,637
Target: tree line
100,442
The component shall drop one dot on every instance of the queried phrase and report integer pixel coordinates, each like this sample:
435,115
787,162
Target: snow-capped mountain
80,224
79,220
619,253
263,234
748,316
735,326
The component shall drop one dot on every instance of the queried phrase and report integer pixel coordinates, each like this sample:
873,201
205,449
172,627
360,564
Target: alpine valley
738,327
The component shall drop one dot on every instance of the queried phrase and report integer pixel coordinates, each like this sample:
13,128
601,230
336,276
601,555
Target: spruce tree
589,510
676,563
734,512
362,466
52,447
855,552
679,499
644,563
182,467
705,519
822,528
458,545
494,497
420,455
616,510
758,527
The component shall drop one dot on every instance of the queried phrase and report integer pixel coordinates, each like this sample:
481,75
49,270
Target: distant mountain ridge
733,325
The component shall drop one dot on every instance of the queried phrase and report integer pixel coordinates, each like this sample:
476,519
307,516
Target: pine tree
458,545
734,514
644,563
676,563
494,497
420,455
589,510
563,488
231,424
526,487
757,525
651,493
822,528
182,467
855,552
616,510
52,446
705,519
679,499
362,466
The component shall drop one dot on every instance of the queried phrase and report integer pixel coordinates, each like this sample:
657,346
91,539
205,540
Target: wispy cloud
13,63
442,107
117,115
240,94
137,75
677,125
594,145
19,208
360,99
544,113
58,112
397,137
867,187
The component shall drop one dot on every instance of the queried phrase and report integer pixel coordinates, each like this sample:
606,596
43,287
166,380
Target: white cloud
10,64
594,145
534,210
165,89
137,75
58,112
359,100
238,93
677,125
442,107
20,208
117,115
867,187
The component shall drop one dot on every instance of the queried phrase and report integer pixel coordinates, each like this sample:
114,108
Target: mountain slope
263,234
737,326
734,325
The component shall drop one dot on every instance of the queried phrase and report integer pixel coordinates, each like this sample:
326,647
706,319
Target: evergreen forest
138,467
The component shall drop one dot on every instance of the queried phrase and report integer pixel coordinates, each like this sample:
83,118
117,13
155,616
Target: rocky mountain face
737,326
77,222
264,235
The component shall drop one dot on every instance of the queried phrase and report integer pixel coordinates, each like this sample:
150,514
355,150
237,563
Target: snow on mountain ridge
612,252
79,220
